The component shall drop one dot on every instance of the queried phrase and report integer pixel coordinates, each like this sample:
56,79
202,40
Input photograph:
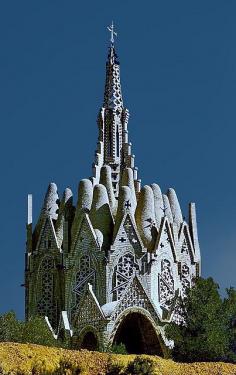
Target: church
109,266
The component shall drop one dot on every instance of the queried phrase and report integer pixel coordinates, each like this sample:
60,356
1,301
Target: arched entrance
138,335
89,341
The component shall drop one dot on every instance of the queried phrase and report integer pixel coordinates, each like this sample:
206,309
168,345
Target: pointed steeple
113,147
112,95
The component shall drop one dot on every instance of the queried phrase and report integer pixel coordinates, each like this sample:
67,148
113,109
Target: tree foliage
208,333
10,327
34,331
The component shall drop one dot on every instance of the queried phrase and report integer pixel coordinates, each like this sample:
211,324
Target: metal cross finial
111,29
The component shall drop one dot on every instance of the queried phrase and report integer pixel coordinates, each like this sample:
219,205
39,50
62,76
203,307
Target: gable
89,310
165,242
185,246
47,237
85,237
127,236
135,296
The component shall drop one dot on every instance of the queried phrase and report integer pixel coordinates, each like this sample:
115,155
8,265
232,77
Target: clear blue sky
178,70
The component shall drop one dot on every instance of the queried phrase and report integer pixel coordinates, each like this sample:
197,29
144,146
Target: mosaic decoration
122,274
166,285
46,305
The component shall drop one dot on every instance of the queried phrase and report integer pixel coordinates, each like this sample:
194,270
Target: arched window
46,305
117,141
122,273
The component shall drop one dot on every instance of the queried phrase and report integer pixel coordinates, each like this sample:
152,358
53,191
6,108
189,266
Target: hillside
26,359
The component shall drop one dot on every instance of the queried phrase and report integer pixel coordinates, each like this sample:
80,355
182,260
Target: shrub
141,366
10,327
115,368
118,349
36,331
67,368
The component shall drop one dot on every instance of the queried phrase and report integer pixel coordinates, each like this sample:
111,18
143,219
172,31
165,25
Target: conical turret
145,217
167,209
50,206
175,207
100,214
64,213
105,179
85,196
158,204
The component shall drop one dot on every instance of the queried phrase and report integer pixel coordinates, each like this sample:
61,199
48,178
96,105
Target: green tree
10,327
36,331
205,335
229,308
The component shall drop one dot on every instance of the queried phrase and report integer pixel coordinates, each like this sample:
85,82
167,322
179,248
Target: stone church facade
109,269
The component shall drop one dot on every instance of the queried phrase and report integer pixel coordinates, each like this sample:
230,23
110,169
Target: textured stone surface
85,197
106,180
145,217
158,204
50,206
100,214
65,206
128,180
175,207
101,274
167,209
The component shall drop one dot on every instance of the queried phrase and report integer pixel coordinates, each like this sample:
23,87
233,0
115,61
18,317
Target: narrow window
109,146
117,142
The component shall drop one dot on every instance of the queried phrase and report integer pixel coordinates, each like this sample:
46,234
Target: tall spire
113,147
112,95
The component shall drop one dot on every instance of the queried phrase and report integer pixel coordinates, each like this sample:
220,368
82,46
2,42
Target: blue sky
178,71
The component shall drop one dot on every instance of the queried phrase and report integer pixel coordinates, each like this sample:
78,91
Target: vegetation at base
209,332
34,331
26,359
141,366
117,349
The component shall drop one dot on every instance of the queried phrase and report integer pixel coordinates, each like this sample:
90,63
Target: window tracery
184,248
85,275
122,274
46,305
166,285
185,279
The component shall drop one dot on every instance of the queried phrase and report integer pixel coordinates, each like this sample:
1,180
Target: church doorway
138,335
89,342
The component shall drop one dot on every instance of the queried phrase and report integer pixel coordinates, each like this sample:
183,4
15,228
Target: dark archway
89,341
138,335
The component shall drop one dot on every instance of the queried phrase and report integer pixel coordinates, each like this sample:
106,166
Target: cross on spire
111,29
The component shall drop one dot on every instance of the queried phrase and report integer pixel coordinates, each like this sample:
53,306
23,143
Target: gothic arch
88,339
136,329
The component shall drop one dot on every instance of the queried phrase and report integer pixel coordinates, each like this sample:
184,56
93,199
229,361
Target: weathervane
111,29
